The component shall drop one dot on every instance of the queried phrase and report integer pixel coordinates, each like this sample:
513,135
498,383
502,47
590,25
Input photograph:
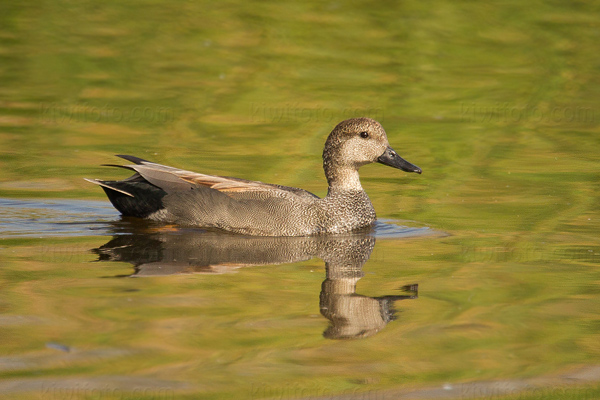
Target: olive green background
497,102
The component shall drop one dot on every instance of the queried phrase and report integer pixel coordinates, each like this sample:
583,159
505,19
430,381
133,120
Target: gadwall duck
173,195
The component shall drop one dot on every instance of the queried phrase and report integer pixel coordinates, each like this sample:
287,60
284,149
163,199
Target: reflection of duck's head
354,316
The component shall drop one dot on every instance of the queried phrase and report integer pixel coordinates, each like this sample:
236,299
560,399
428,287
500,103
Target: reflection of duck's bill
392,159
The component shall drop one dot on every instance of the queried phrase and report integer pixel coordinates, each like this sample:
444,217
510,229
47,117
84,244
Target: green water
497,102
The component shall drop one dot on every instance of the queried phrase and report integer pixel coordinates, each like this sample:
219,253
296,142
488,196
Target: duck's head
360,141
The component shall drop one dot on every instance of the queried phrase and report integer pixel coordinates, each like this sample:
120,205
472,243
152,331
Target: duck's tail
134,196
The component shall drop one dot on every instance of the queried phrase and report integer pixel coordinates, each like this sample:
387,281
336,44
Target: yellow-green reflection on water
496,102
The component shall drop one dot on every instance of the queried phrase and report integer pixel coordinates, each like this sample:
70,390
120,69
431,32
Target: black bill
391,158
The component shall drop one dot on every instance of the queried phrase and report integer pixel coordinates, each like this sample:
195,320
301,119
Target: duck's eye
364,135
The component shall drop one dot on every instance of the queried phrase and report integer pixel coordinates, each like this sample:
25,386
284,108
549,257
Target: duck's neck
343,179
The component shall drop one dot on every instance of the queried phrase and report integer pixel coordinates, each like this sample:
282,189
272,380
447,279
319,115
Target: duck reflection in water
187,251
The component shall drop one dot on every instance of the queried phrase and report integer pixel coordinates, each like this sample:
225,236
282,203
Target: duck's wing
172,180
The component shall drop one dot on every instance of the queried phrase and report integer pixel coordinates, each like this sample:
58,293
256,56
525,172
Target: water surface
480,281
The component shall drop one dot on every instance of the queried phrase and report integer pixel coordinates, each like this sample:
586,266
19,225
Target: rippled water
54,218
63,218
479,281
